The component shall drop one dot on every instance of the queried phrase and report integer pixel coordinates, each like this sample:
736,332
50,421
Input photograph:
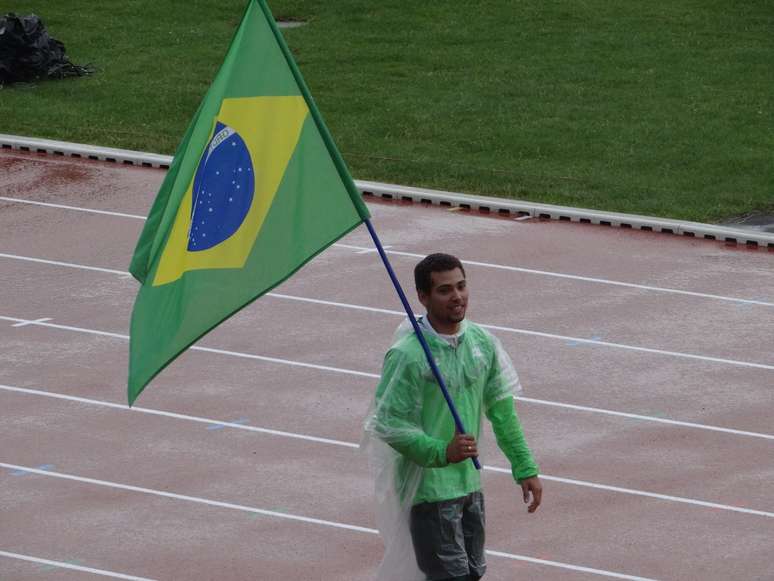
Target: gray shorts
448,537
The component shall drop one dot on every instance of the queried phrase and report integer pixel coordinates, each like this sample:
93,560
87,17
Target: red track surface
581,524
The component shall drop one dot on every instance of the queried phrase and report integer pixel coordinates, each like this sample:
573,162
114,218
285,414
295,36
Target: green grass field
663,108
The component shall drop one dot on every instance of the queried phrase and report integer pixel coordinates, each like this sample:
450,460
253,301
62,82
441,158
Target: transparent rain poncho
409,426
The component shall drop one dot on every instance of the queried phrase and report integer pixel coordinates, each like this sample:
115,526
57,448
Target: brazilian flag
256,189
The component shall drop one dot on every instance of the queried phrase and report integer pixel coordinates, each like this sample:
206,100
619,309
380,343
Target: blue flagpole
420,336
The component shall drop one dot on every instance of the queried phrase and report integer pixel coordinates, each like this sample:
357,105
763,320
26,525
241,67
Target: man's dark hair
438,262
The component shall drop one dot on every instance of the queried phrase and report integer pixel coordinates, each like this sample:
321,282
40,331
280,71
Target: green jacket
413,418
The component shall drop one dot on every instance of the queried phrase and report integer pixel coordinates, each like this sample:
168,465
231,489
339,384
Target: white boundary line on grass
362,249
513,330
438,197
293,517
571,481
63,565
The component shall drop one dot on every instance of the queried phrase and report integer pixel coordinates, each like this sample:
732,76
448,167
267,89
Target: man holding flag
256,189
428,488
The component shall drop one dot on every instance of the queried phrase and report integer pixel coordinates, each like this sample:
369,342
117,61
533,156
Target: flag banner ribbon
256,189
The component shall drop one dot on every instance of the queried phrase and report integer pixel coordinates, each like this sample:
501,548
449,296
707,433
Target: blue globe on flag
223,190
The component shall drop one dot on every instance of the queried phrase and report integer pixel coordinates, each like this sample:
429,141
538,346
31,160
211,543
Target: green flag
256,189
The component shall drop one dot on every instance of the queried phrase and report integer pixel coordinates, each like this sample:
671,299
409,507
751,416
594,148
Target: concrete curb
482,204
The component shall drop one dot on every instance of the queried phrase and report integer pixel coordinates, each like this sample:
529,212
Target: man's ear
423,298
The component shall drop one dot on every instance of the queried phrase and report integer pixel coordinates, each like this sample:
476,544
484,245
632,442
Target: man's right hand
462,447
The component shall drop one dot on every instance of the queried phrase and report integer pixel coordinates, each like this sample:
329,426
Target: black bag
28,53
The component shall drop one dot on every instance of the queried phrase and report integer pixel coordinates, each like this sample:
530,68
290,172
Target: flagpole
420,336
360,207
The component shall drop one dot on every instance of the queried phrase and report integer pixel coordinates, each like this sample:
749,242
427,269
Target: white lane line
376,376
646,418
64,327
293,517
277,360
196,348
632,347
71,566
65,264
543,335
579,278
74,208
368,250
217,503
571,567
393,312
517,331
136,409
655,495
43,320
584,483
336,304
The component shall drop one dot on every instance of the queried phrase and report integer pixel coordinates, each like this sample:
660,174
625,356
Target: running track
646,359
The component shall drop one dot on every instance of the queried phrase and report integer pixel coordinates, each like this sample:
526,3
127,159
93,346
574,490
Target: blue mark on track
240,421
26,472
573,343
73,562
749,306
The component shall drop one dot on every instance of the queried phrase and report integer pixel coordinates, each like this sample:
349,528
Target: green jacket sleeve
510,438
397,415
423,450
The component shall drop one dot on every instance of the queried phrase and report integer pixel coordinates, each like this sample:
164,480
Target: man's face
447,300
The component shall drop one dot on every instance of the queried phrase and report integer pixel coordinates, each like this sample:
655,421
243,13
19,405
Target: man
433,478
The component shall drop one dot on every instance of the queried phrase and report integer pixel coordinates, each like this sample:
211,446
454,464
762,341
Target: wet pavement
597,320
